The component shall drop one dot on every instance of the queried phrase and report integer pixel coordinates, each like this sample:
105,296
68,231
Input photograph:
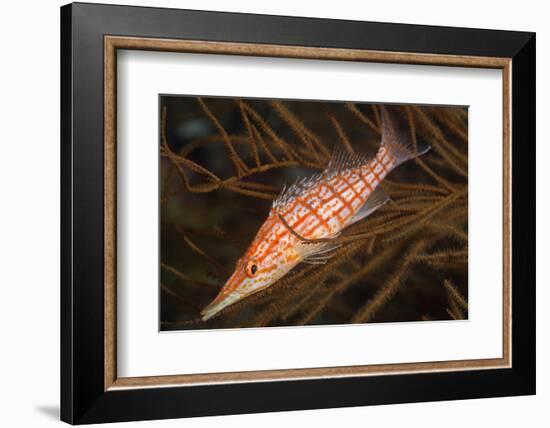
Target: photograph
286,213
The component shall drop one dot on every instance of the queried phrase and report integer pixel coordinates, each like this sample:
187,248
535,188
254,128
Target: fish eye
251,268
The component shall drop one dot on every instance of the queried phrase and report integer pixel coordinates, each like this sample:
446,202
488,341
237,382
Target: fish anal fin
374,201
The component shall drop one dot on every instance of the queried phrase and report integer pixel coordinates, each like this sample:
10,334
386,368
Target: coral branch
390,287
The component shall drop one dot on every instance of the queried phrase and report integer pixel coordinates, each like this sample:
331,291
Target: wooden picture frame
91,390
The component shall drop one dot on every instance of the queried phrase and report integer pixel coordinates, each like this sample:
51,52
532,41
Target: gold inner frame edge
113,43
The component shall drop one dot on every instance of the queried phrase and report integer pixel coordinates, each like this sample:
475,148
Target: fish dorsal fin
300,186
343,160
339,161
375,201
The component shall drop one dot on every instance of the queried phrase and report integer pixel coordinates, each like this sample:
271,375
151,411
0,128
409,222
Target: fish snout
229,294
219,303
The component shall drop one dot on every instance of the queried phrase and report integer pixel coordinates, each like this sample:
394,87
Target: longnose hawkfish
306,218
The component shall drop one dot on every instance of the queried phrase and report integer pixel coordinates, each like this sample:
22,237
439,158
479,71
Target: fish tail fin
397,139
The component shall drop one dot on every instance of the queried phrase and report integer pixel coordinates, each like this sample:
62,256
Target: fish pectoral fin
313,251
316,253
374,201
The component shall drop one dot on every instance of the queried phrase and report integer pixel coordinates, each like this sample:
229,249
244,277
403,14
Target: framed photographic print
264,213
